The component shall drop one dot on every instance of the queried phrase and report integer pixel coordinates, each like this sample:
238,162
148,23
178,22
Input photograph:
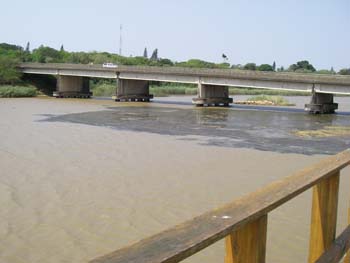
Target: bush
344,71
17,91
265,67
302,67
250,66
172,90
104,90
252,91
8,72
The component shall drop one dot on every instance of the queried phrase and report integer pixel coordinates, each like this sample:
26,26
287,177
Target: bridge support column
212,95
72,87
133,90
321,103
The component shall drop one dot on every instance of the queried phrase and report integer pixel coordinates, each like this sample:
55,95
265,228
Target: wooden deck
244,223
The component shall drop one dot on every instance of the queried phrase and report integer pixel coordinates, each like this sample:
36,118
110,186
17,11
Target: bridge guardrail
311,78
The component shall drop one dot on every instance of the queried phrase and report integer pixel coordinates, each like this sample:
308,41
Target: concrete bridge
133,82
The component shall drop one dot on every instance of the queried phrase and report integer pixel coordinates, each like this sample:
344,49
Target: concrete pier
72,87
212,83
212,95
133,90
321,103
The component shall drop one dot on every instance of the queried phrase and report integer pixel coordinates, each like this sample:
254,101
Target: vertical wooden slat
248,244
323,216
347,257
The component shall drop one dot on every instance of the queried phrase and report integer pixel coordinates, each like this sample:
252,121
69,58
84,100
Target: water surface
228,127
81,178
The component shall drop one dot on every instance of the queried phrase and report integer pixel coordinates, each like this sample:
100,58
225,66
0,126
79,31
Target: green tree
196,63
325,71
265,67
46,55
8,71
250,66
302,66
12,51
223,65
27,47
154,55
344,71
62,48
10,47
274,66
165,62
237,66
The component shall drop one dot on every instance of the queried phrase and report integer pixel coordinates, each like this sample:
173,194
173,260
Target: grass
327,131
185,90
172,90
251,91
17,91
274,100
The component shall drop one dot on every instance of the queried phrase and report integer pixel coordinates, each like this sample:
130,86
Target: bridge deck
224,77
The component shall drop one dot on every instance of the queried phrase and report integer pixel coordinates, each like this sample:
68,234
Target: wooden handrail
184,240
347,257
338,249
323,216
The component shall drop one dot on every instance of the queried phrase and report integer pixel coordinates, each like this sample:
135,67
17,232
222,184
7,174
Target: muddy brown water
80,178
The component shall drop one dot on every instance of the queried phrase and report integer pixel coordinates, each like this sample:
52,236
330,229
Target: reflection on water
262,130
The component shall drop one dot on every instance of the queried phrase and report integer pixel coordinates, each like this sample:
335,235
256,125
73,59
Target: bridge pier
133,90
72,87
212,95
321,103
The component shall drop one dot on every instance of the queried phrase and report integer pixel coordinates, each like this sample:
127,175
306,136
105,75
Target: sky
284,31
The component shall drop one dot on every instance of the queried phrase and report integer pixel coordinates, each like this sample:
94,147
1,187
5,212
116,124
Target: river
81,178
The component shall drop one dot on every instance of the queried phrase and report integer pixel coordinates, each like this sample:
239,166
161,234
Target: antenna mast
120,40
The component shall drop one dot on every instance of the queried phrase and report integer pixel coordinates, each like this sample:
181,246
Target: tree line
10,55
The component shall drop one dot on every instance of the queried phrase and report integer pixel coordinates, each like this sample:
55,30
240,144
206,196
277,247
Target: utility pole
120,40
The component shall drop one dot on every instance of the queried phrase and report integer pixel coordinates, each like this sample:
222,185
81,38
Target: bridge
213,84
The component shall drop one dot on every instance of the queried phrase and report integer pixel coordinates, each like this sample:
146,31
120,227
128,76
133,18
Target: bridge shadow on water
239,126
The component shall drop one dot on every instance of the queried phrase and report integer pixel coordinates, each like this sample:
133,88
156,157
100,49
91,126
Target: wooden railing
243,223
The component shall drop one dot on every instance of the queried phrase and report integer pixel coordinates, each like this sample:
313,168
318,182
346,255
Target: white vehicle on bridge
109,65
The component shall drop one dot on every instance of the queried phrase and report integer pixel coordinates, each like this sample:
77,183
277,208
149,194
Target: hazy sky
284,31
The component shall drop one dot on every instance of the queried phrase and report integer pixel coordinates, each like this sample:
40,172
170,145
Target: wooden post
323,216
248,244
347,257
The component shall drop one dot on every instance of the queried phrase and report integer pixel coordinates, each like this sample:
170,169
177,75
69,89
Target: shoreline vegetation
7,91
164,90
109,90
11,55
266,100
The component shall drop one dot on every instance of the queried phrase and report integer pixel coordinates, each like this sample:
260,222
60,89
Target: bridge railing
293,77
243,223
